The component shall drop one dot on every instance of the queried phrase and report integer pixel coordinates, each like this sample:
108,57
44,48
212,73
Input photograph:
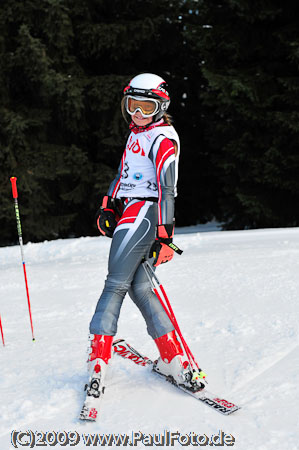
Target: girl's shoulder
163,130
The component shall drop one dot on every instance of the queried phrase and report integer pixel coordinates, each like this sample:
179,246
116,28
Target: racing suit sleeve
114,186
163,158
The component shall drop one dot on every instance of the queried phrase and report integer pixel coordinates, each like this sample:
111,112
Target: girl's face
141,121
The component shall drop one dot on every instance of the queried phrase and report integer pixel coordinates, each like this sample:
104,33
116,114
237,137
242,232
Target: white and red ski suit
146,184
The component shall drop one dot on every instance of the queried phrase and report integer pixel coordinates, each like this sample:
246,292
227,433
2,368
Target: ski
123,349
94,394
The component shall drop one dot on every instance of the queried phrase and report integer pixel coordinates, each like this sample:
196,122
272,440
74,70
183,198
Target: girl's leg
173,361
131,241
157,321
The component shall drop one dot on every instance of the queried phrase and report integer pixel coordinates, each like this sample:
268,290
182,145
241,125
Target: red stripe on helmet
161,94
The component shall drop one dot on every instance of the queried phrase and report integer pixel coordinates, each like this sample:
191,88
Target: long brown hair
123,110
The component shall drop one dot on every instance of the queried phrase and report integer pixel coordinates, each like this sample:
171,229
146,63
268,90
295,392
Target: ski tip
226,407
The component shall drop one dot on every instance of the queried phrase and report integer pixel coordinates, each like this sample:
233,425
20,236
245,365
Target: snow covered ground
235,295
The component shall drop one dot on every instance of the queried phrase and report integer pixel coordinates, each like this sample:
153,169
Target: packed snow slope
235,295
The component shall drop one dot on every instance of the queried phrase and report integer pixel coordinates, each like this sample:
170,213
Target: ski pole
169,311
1,328
15,196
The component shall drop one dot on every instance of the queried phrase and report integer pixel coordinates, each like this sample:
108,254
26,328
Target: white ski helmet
149,86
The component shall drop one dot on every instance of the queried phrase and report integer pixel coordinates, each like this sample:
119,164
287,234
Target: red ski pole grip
14,187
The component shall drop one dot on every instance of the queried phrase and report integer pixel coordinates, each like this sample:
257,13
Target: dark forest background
232,70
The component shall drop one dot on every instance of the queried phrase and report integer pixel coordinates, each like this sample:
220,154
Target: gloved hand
107,219
160,249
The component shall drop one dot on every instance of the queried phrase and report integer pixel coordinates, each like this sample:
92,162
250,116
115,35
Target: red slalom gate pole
15,196
2,335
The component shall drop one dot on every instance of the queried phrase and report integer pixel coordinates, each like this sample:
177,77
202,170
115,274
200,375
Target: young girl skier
138,214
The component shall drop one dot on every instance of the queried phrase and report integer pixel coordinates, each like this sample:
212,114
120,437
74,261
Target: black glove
107,220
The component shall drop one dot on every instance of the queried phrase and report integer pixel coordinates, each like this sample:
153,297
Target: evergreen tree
41,119
232,72
63,67
250,63
60,122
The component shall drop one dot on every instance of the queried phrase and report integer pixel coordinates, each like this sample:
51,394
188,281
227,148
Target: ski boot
173,365
99,355
98,358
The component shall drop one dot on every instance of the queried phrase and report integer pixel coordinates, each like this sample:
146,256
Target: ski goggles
147,107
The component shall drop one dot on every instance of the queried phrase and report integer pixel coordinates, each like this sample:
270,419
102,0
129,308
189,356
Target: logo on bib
135,147
127,186
137,176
